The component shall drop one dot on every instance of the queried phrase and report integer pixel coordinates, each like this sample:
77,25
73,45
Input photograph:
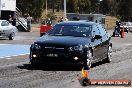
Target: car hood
64,40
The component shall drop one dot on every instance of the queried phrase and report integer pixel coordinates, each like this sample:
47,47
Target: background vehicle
98,18
73,42
7,30
127,26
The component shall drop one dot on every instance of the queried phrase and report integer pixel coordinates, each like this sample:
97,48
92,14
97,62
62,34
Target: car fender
13,30
89,46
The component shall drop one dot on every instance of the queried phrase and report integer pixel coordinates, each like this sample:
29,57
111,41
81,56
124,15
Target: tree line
121,8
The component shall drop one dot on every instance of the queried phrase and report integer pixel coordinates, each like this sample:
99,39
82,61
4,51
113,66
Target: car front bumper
5,33
69,58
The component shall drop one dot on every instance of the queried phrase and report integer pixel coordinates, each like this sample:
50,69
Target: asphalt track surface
16,72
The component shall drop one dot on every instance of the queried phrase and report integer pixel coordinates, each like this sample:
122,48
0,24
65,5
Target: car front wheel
109,54
12,35
88,59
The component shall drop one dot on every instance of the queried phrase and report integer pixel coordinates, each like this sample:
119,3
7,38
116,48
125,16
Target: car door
96,43
104,41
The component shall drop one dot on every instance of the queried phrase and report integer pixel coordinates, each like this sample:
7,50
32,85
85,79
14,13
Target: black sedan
72,43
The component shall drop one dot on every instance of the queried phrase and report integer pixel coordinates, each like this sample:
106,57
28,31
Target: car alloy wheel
109,54
89,57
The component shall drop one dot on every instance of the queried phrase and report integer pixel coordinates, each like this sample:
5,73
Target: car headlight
36,46
76,48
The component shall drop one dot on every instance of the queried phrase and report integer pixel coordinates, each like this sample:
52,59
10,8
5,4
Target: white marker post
46,8
64,9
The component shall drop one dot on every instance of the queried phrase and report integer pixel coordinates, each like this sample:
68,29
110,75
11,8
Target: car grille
52,49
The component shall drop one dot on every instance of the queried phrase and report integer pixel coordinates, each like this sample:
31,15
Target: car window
71,30
95,30
101,30
5,23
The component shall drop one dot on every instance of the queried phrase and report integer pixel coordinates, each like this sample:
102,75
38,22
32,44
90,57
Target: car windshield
71,30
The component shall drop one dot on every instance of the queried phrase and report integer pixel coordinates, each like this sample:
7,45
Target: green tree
125,8
78,6
33,7
113,7
84,6
104,7
94,6
72,6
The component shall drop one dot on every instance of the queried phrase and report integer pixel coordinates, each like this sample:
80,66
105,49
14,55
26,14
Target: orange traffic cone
122,32
84,73
84,80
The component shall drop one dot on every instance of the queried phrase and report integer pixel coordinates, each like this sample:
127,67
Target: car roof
77,23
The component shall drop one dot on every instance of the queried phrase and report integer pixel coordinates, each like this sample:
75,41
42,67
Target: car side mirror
97,37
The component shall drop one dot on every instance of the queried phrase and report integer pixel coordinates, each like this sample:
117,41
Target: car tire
109,54
89,57
33,64
12,35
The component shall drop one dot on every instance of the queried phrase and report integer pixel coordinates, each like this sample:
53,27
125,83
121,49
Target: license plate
52,55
